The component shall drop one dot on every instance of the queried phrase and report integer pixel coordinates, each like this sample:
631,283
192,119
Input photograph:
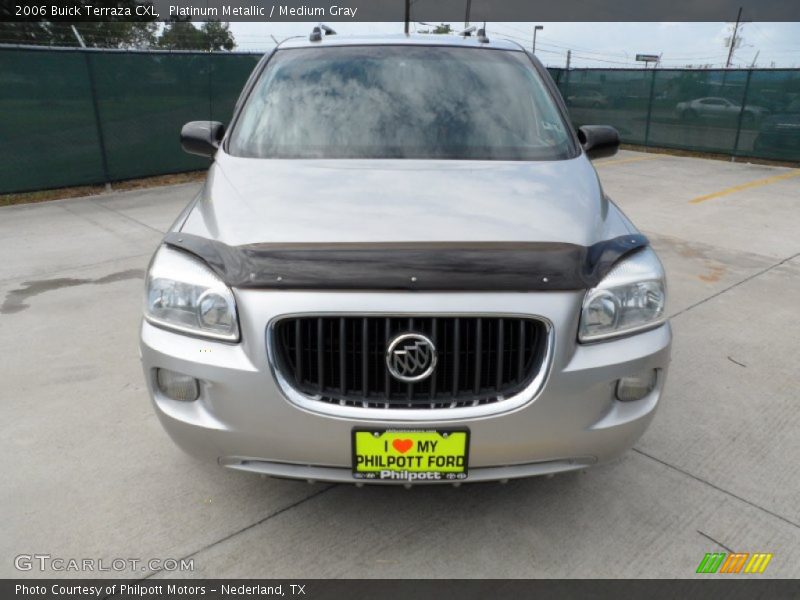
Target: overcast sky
594,44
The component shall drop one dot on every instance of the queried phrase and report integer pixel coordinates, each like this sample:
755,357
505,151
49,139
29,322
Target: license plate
410,455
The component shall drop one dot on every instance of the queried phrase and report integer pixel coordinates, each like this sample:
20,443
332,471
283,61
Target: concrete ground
89,473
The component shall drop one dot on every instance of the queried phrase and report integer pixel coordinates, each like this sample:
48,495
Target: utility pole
569,58
535,29
733,39
466,17
753,64
408,14
78,36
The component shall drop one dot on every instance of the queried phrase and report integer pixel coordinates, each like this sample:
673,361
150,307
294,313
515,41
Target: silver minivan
402,268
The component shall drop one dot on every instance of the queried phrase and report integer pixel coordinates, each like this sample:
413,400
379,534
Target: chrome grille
341,359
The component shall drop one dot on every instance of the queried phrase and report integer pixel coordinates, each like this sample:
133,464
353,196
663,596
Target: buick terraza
402,268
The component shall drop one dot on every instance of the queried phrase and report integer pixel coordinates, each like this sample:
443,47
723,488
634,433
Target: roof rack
316,33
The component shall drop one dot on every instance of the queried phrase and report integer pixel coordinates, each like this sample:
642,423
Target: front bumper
244,421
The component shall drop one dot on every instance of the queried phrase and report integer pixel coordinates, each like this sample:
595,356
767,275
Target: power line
608,57
562,44
733,38
545,43
761,33
602,60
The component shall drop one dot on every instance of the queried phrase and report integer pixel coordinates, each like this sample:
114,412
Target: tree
105,34
113,32
218,35
180,34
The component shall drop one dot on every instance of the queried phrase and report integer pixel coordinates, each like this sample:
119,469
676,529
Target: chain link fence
78,117
742,113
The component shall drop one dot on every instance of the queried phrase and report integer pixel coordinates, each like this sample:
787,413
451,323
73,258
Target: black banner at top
395,10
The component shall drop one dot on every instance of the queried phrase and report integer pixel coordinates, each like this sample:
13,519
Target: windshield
400,102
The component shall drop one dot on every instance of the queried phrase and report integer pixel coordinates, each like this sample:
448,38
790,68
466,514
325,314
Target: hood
251,201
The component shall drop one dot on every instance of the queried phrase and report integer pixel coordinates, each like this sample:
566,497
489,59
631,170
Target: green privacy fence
752,113
75,117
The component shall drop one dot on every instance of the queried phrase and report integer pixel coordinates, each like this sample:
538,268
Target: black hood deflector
447,266
420,266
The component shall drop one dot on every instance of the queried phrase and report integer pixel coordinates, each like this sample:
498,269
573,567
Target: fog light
636,387
177,386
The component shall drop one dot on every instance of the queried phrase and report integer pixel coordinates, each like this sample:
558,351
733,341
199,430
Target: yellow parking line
746,186
623,161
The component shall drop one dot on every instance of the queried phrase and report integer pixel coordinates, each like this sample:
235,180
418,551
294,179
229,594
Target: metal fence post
97,121
649,109
210,77
741,115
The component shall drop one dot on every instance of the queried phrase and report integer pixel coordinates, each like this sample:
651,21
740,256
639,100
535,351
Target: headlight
630,298
183,294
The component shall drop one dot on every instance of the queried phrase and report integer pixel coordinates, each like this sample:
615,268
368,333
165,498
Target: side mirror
202,137
598,141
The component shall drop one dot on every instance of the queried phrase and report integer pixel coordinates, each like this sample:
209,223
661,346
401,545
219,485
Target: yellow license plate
410,455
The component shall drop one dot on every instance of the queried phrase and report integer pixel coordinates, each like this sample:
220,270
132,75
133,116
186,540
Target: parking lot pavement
89,473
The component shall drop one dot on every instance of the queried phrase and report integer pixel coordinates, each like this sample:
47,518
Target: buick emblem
411,357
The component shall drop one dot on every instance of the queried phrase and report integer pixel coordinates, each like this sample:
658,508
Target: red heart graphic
402,446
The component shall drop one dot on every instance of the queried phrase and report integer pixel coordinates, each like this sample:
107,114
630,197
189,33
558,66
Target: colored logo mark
735,562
